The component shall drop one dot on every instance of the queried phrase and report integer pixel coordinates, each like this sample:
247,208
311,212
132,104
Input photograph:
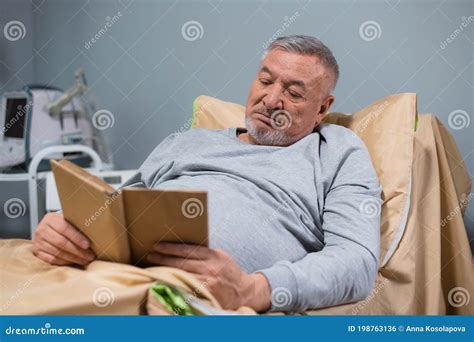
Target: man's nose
273,99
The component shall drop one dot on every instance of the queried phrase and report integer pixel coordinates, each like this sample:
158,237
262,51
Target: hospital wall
147,69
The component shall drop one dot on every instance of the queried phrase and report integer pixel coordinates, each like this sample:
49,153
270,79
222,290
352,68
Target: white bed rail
33,174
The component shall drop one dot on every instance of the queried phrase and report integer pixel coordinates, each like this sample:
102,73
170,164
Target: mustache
269,112
279,119
264,110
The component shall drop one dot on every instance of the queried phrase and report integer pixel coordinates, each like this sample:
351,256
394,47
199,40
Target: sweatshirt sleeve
344,270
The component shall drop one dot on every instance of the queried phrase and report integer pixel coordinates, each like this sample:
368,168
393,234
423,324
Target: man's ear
324,110
326,105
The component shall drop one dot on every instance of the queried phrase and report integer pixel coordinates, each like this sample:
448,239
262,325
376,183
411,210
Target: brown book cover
124,224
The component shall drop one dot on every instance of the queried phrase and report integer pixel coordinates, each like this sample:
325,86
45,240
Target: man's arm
344,270
259,294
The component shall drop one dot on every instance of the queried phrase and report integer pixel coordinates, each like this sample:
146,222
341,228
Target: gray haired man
284,195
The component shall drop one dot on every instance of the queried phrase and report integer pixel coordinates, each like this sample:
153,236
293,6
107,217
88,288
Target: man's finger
62,254
68,230
51,259
183,250
62,242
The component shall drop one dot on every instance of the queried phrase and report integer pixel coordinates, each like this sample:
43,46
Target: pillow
386,126
209,112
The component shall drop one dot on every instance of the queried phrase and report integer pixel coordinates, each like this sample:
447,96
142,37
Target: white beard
269,136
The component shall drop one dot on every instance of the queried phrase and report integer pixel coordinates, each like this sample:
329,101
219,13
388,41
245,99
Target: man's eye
294,95
265,82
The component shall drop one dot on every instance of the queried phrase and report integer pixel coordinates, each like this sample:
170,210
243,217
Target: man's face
288,98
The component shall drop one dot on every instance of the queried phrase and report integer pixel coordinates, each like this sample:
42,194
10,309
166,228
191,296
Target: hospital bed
426,264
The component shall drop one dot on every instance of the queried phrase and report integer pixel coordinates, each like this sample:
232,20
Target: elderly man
285,195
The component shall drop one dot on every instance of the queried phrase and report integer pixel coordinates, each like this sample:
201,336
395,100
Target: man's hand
218,272
58,242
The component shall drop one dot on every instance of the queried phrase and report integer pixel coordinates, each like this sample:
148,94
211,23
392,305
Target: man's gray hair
309,46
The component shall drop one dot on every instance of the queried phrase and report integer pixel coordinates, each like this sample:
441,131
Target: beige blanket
31,286
431,272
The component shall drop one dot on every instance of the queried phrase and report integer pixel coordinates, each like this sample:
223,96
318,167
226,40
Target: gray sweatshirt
307,216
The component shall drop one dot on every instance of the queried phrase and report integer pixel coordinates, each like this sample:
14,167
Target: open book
124,224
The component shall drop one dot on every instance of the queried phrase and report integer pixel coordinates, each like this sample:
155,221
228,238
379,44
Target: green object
416,122
195,108
172,299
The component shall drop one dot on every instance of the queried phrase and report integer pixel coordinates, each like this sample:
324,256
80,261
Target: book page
158,215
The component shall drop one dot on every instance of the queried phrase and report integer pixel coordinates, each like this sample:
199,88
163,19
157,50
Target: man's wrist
257,292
